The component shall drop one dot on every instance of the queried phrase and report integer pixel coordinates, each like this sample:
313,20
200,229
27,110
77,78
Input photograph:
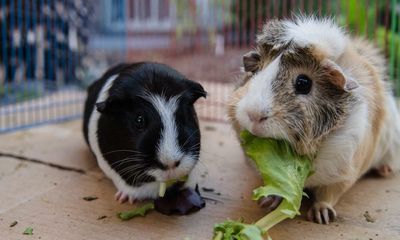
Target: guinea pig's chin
268,130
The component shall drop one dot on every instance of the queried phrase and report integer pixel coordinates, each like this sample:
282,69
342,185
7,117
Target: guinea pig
141,125
327,93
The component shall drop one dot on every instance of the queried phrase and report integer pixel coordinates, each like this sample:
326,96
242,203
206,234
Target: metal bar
387,13
27,53
376,19
310,6
276,9
253,19
237,20
329,8
357,26
12,49
302,6
320,7
292,7
284,8
268,9
392,43
367,20
243,41
398,54
4,46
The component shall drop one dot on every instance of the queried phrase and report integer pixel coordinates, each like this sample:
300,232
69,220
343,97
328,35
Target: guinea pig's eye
303,84
139,121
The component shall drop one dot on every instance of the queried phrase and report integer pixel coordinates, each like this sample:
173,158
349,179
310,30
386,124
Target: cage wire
51,50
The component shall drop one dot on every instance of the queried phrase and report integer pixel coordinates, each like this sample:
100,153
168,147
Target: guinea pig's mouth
168,175
185,166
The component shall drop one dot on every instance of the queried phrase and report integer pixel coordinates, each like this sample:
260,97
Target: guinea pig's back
372,56
93,94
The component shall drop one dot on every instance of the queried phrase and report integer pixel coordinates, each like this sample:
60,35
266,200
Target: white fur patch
388,150
259,98
148,190
334,159
168,149
323,33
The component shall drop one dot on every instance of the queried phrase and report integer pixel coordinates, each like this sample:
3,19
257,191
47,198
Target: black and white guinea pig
141,125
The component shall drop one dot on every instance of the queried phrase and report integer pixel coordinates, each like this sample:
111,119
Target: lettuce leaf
237,230
284,173
164,185
140,211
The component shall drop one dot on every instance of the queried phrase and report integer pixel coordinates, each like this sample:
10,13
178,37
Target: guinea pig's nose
172,165
257,116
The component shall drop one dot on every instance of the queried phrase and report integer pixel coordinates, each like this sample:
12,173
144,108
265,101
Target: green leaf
164,185
28,231
284,173
236,230
141,211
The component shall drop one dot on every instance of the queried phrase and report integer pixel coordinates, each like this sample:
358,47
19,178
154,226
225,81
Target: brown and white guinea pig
140,123
325,92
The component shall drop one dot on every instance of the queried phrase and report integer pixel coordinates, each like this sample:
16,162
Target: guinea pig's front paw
270,203
322,213
385,170
122,197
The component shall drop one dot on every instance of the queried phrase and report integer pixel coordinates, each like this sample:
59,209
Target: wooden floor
47,196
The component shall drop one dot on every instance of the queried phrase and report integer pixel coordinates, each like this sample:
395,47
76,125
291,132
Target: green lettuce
284,173
164,185
140,211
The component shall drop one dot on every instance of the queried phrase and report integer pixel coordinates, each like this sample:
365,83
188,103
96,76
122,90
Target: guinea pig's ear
196,91
251,61
338,77
101,106
108,106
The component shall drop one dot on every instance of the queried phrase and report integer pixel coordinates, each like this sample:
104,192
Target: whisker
125,150
191,135
129,159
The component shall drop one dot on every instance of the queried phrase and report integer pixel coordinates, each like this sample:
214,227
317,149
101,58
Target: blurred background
51,50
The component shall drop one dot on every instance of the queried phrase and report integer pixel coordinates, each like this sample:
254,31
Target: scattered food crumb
376,235
206,189
13,223
368,217
101,217
387,191
28,231
209,128
20,165
220,143
90,198
378,210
